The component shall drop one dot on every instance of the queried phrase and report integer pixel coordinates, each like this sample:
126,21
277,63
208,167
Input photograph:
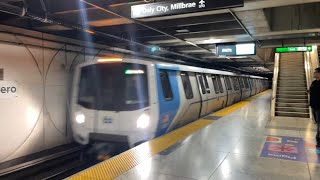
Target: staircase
292,98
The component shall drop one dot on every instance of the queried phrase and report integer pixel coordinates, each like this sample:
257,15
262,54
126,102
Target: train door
220,92
203,92
237,91
168,98
250,86
242,88
214,100
230,93
211,95
247,87
254,87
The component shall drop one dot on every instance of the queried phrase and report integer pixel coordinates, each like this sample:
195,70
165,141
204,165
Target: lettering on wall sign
8,89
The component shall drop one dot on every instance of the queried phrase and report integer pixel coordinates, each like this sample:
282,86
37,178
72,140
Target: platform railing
275,85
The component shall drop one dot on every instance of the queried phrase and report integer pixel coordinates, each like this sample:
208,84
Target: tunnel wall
37,117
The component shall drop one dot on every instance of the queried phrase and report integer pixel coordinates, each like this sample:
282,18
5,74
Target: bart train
131,101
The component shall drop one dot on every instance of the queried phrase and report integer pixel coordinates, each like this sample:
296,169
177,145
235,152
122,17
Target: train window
220,84
246,84
235,83
203,89
228,83
206,83
100,90
241,82
166,86
186,85
215,83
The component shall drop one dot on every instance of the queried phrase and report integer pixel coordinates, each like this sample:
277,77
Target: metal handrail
275,85
307,66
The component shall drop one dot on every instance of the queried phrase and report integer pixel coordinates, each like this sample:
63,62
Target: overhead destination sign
240,49
181,7
294,49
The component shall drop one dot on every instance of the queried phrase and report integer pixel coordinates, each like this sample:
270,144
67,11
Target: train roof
177,67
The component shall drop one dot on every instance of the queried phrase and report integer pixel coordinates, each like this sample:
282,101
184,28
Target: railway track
55,166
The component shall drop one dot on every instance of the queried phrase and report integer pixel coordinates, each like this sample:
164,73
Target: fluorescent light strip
110,60
134,72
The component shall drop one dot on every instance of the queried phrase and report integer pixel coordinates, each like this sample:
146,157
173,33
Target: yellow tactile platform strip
131,158
236,106
120,164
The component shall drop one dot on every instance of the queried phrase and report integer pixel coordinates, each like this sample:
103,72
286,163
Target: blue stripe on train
167,109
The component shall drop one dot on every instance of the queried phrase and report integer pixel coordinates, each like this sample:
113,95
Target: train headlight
143,121
80,118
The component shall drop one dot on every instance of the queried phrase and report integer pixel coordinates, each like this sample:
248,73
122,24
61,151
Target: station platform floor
239,142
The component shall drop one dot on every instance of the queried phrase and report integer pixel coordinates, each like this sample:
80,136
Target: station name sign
237,49
181,7
294,49
8,89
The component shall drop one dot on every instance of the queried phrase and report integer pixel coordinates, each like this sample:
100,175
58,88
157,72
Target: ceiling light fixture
193,44
212,41
182,30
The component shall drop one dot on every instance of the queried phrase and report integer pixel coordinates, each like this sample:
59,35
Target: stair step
291,60
292,75
290,84
291,79
301,88
296,105
290,72
298,67
289,64
286,96
285,100
292,56
294,81
292,114
292,109
293,92
294,71
291,88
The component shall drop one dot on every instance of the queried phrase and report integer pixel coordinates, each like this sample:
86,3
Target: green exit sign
294,49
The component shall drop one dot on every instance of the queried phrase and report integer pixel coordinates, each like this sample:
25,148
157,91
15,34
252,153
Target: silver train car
131,100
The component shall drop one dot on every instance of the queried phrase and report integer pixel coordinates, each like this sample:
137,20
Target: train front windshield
113,87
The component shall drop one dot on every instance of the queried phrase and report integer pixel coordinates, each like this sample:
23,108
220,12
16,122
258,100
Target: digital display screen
236,49
245,49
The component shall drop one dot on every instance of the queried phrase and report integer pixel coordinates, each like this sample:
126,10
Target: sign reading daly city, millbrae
8,89
181,7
